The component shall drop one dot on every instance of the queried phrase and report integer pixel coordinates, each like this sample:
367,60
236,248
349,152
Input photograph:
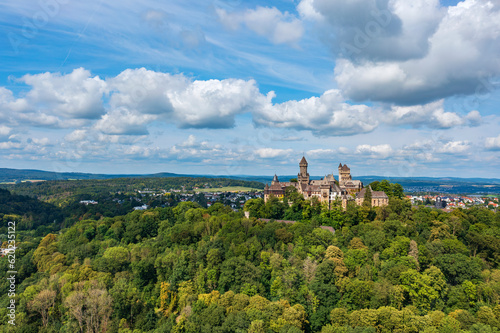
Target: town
449,202
145,199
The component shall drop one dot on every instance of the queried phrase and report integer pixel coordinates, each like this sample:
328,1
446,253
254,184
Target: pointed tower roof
303,161
340,165
275,179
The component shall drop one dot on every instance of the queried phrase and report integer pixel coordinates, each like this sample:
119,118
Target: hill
188,269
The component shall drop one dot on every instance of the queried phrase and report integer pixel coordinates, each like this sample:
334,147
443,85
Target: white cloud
474,118
76,136
278,27
431,115
381,151
138,152
39,142
10,106
435,150
493,143
140,96
272,152
214,103
137,97
5,132
190,142
191,150
74,96
328,115
367,29
454,147
461,53
10,145
122,121
321,153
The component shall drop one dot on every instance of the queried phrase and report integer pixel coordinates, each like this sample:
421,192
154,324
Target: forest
191,269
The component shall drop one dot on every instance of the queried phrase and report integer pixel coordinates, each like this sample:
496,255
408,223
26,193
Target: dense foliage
189,269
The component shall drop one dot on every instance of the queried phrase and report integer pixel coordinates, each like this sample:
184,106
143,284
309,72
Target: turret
303,176
344,173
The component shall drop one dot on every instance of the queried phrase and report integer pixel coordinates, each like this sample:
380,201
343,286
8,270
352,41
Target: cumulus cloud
122,121
454,147
10,145
10,106
278,27
381,30
272,152
55,100
435,150
324,154
214,103
39,141
76,136
493,143
196,151
474,118
462,50
381,151
144,91
5,132
74,95
139,97
431,115
328,114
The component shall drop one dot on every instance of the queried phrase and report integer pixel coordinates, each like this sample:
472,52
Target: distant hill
20,175
410,184
23,175
33,211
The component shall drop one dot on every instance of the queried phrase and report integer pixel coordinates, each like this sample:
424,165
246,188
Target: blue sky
392,88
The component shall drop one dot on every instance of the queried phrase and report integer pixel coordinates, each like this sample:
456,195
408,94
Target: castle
326,190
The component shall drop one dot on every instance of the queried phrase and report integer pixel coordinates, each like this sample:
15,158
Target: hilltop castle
326,189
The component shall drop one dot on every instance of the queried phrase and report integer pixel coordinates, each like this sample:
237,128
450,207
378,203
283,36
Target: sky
393,88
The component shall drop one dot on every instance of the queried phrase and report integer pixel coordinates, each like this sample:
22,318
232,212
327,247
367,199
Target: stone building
346,182
379,198
326,190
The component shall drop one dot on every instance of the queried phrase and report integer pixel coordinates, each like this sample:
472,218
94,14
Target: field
227,189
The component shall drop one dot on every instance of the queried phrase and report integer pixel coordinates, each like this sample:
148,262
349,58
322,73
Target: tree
423,290
257,326
457,267
91,308
98,310
367,199
336,255
414,251
43,303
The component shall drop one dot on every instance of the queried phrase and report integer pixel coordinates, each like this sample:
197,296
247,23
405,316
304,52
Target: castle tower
266,193
275,180
303,176
344,174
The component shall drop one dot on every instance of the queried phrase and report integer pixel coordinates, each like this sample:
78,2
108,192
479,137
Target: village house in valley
327,190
